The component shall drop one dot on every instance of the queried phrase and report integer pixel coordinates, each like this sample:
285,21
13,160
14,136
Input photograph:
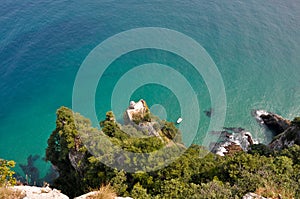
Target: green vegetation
7,180
263,171
6,174
169,130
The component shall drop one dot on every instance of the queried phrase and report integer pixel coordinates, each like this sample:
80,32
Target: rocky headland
286,133
79,170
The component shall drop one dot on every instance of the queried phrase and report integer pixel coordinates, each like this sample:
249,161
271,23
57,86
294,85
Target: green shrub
138,192
6,174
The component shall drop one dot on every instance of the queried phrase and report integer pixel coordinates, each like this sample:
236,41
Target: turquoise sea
255,45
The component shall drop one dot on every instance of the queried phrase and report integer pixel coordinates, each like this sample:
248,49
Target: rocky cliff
232,140
287,138
276,123
286,132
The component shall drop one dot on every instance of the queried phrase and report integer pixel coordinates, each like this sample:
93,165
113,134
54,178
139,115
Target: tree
138,192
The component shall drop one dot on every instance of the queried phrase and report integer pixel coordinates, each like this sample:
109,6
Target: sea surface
254,44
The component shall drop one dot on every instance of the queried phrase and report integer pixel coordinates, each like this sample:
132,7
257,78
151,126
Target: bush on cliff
7,180
6,174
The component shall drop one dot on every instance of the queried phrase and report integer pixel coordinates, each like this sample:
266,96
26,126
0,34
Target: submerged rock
209,112
31,171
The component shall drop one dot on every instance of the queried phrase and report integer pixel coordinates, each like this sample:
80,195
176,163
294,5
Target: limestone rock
253,196
135,108
33,192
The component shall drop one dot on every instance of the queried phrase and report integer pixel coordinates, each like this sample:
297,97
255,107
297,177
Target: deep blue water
255,45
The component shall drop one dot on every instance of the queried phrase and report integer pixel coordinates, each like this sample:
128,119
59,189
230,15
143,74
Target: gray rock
33,192
286,139
253,196
275,123
231,137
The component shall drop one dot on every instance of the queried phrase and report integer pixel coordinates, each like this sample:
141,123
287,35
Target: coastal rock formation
286,133
75,157
138,116
286,139
135,112
253,196
232,140
32,192
272,121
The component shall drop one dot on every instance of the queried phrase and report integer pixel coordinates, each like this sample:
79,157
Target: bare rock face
253,196
286,139
286,133
32,192
232,140
135,109
272,121
75,158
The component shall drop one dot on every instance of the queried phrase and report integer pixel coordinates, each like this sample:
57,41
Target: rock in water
286,133
232,140
272,121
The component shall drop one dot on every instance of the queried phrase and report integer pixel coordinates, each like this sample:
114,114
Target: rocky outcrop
32,192
272,121
135,111
286,139
75,158
232,140
253,196
286,133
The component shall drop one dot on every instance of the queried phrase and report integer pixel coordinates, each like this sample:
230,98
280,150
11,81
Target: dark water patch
32,172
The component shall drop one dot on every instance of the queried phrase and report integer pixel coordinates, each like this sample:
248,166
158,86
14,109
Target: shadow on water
32,173
209,112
